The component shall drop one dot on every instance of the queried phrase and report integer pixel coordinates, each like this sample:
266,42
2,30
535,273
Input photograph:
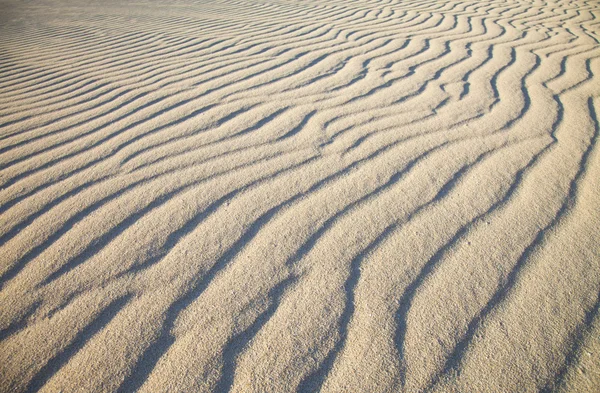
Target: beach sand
278,195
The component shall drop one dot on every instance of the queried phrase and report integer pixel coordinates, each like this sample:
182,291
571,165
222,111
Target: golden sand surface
299,196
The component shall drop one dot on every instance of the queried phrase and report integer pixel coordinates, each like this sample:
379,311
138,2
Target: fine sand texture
300,196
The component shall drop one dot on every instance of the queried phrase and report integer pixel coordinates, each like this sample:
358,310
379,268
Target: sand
279,195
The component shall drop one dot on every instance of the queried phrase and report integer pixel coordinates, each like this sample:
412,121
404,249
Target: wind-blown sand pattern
278,195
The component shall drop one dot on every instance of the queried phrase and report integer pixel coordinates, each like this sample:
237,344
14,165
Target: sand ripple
278,195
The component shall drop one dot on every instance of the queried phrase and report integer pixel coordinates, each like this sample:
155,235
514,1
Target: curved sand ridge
300,196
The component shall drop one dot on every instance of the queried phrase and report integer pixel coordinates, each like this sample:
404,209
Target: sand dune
278,195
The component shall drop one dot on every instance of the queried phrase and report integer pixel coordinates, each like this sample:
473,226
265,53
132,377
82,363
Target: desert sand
282,195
